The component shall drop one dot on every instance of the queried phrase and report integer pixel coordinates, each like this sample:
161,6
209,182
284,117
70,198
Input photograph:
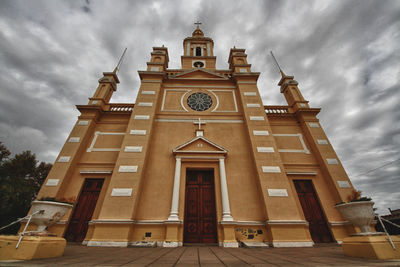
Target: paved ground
77,255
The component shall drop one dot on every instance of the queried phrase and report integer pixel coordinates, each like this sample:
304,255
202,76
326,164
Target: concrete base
31,247
248,244
371,247
143,244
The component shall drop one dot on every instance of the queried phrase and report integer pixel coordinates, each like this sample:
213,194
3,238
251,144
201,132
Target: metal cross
197,23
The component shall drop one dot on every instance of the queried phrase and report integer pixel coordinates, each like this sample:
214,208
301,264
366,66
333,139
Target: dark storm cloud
344,54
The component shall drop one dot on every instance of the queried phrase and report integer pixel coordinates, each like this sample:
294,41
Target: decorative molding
64,159
322,141
198,86
149,221
145,104
150,81
133,149
154,69
313,125
286,222
82,123
242,70
217,105
206,121
250,223
96,135
171,244
277,193
112,221
52,182
246,82
107,244
141,117
344,184
95,102
278,244
148,92
265,149
253,105
339,223
138,132
95,172
303,105
271,169
301,173
300,136
74,140
250,93
332,161
256,118
121,192
230,244
181,101
128,168
260,133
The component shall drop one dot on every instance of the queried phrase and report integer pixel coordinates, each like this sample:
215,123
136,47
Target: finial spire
120,62
197,24
277,64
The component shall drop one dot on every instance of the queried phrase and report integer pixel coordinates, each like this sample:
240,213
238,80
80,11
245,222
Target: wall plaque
52,182
277,193
121,192
344,184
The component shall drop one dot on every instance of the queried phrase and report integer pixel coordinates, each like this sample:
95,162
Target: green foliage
20,180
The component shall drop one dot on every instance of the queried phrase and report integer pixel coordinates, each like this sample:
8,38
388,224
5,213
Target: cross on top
197,23
199,122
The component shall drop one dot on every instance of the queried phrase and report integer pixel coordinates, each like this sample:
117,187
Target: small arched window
198,51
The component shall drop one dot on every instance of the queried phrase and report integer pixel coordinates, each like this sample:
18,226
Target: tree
20,180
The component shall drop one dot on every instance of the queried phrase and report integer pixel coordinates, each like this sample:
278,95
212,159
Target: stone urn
360,214
53,212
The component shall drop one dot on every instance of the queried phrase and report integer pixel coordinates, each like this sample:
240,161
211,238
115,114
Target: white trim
286,222
121,192
206,121
303,105
278,244
322,141
271,169
250,223
171,244
243,70
201,157
265,149
300,136
181,101
230,244
332,161
256,118
64,159
313,125
178,148
133,149
96,134
245,82
138,132
149,222
155,68
339,223
344,184
253,244
253,105
74,140
301,173
52,182
277,192
95,172
82,123
198,86
250,93
123,168
148,92
115,221
260,133
145,104
107,244
151,81
233,96
141,117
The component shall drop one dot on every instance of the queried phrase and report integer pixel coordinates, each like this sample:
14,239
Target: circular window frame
208,106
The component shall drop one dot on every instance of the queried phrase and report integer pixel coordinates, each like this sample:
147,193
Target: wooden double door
84,209
200,223
312,210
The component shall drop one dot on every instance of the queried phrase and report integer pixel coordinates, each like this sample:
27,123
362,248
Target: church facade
198,158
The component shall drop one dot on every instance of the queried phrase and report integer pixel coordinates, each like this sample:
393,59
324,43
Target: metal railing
384,229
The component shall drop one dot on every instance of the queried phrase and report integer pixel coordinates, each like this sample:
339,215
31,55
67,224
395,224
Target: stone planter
53,212
360,214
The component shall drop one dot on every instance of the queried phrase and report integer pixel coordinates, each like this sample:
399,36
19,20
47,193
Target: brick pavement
77,255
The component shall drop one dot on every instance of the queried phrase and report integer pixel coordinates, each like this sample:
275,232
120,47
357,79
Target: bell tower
198,51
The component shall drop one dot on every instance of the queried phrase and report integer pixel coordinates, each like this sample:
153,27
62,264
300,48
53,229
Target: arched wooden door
200,224
84,209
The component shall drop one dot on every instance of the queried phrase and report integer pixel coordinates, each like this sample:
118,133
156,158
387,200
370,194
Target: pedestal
372,247
31,247
229,240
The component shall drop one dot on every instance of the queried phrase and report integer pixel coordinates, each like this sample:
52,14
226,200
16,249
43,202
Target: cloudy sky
344,54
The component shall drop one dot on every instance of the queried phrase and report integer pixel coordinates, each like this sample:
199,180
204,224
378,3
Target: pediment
200,74
199,144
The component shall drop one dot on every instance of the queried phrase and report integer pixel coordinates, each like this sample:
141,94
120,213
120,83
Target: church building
198,158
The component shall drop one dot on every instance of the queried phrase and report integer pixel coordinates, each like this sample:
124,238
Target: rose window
199,101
